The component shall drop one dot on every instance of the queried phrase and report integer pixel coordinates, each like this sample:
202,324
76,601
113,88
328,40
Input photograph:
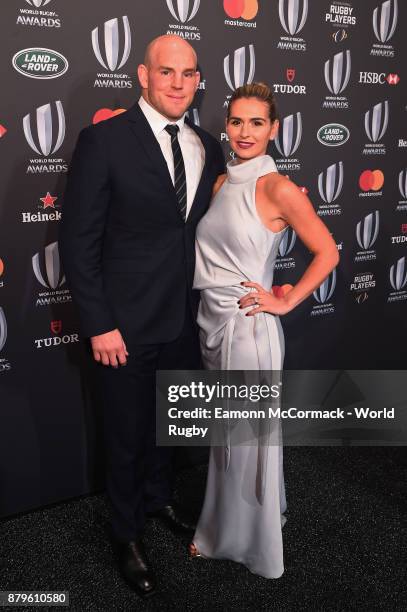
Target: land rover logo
333,134
39,63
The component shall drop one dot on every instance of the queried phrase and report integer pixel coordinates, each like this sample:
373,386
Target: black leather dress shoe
135,568
171,518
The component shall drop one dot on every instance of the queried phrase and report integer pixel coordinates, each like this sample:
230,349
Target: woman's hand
264,301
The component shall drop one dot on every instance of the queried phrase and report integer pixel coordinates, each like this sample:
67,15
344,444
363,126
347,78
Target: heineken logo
333,134
39,63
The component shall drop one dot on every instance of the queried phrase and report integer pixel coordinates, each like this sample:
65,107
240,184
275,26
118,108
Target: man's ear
142,73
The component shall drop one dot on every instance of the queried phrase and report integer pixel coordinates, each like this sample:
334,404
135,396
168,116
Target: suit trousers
139,474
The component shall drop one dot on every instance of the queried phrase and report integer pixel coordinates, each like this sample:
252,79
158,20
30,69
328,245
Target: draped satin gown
242,514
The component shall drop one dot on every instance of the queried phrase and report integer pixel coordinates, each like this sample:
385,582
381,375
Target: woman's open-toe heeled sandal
193,551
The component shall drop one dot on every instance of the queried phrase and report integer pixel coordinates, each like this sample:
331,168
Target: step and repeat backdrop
338,73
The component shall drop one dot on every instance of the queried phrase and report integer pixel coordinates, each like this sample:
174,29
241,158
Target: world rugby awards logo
183,12
48,272
367,231
46,138
376,122
337,74
398,281
323,294
293,15
402,205
36,17
5,365
384,24
287,142
117,47
330,183
244,66
284,262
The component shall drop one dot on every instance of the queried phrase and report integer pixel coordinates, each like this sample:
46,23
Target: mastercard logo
245,9
1,267
3,130
371,180
106,113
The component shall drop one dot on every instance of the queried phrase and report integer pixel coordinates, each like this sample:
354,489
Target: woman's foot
193,551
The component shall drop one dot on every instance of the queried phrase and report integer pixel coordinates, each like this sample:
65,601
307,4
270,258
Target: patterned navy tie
180,184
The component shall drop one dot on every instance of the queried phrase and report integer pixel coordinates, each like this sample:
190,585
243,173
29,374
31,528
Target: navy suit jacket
128,255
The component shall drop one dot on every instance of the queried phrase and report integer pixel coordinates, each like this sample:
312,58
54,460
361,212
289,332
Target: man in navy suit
137,187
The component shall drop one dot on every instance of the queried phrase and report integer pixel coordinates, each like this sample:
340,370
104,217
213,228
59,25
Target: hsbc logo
398,274
337,72
378,78
385,20
244,65
114,57
293,15
185,9
325,291
367,230
289,135
46,121
330,182
376,121
48,271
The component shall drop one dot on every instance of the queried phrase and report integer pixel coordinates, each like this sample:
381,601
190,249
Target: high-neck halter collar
252,169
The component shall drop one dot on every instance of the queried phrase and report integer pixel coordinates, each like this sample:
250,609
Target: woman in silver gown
236,248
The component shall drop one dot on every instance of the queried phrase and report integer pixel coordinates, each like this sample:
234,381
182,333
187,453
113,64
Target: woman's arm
292,205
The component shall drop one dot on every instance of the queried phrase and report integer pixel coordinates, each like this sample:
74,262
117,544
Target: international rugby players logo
183,10
244,65
330,182
289,135
46,123
117,44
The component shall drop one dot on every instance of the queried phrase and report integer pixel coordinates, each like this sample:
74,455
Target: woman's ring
256,300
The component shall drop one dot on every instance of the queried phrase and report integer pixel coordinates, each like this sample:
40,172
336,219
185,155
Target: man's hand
109,348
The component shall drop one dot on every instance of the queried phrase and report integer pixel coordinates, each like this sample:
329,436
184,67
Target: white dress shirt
192,148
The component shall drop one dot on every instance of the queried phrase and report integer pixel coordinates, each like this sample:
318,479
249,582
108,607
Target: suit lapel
145,135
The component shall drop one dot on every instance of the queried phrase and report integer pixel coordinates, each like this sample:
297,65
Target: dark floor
345,545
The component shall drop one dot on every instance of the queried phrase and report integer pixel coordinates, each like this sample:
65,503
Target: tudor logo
385,20
40,63
290,74
398,274
367,230
242,74
330,182
38,3
293,15
326,289
403,183
337,72
3,329
287,242
48,272
333,134
185,11
56,327
45,143
289,135
376,121
112,60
